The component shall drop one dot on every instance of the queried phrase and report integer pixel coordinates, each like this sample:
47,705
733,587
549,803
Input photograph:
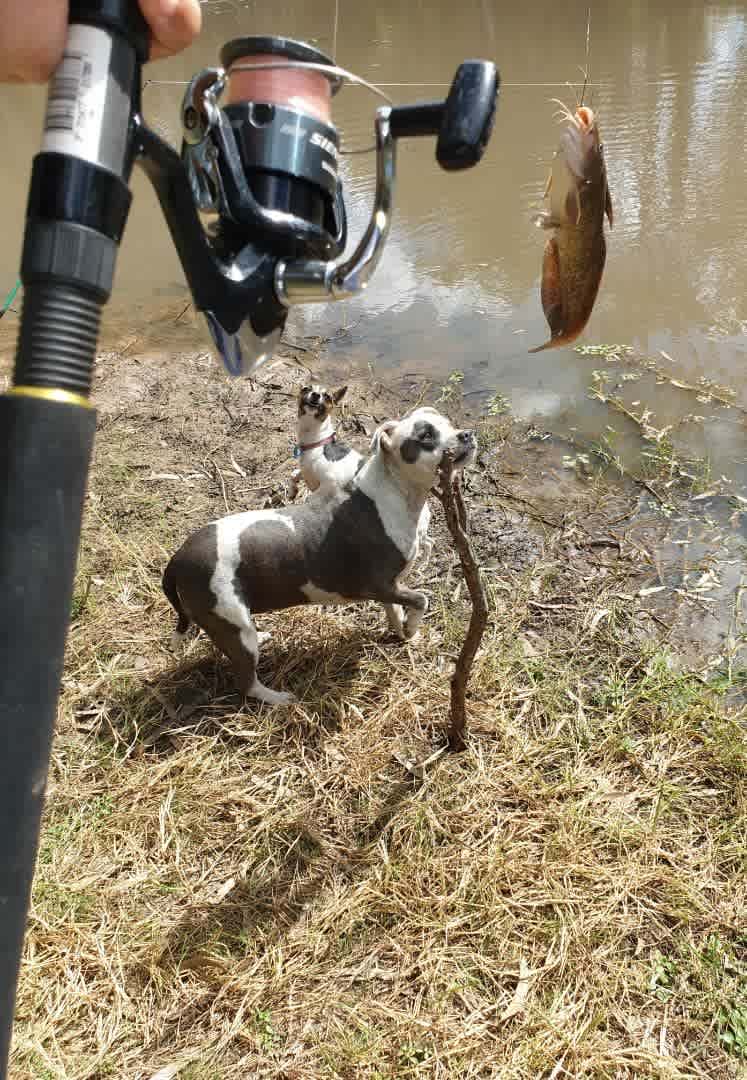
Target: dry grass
253,892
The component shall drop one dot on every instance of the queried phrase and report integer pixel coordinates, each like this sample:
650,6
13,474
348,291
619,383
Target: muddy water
458,288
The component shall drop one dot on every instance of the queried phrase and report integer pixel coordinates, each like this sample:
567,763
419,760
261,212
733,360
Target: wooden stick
450,494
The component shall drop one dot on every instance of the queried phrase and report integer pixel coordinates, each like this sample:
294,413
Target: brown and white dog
325,459
342,545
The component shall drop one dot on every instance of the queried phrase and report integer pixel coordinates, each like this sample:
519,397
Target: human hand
34,34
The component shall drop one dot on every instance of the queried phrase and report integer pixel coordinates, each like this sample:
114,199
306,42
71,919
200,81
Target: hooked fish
575,253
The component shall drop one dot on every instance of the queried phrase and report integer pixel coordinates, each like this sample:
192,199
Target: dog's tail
172,594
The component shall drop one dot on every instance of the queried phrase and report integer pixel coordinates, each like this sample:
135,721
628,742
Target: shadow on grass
198,695
165,714
262,908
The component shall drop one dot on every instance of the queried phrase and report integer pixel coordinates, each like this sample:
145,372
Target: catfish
576,250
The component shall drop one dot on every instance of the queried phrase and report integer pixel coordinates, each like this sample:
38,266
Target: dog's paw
284,697
394,620
411,628
263,636
271,697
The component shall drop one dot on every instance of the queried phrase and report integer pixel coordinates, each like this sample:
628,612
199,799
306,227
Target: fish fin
551,295
551,292
608,207
573,206
545,220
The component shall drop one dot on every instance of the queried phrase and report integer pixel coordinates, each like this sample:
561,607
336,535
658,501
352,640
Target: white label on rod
76,102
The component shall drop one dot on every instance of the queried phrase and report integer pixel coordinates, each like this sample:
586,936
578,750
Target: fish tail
561,339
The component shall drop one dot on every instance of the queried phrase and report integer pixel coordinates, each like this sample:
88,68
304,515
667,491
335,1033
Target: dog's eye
328,397
305,389
427,436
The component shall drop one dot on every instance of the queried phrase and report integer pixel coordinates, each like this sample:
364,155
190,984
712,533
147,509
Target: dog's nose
314,397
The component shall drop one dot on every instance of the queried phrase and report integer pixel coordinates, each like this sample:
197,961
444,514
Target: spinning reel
259,165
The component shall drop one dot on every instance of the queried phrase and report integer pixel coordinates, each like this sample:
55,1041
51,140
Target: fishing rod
255,206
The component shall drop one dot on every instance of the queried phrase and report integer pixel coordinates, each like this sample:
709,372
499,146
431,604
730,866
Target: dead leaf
518,1002
410,765
602,613
527,648
237,467
225,889
558,1069
167,1073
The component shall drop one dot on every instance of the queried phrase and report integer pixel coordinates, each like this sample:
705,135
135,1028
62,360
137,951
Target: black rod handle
45,447
76,214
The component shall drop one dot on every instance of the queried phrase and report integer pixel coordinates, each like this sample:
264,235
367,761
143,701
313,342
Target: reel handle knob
462,123
469,114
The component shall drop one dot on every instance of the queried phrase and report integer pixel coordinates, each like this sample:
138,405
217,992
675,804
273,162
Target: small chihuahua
322,457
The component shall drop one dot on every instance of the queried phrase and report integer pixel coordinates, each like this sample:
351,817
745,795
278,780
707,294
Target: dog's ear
381,436
338,395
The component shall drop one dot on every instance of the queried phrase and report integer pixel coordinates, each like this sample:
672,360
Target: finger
174,24
32,39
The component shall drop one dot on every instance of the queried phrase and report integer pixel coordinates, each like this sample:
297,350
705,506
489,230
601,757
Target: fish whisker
563,112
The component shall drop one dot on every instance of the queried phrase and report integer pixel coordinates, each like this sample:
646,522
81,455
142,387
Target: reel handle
462,123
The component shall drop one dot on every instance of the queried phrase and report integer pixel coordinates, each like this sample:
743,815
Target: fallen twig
450,494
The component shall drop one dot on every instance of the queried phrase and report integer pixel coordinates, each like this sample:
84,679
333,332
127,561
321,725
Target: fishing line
334,30
487,19
397,85
586,72
389,85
